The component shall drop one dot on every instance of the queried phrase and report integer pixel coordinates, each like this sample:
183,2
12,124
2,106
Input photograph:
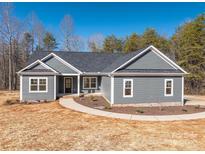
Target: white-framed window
168,87
89,82
128,88
38,84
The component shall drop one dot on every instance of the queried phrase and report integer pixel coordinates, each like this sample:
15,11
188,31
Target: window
38,84
127,88
168,87
89,82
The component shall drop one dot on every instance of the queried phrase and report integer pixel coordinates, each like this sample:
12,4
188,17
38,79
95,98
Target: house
144,76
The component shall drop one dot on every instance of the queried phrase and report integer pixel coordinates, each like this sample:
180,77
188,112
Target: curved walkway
70,103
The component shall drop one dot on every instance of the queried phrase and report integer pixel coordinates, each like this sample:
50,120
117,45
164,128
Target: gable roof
92,62
48,68
156,51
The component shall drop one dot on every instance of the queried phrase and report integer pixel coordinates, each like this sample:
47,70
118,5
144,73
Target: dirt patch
99,102
48,126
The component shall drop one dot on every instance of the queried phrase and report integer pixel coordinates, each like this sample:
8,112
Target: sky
120,19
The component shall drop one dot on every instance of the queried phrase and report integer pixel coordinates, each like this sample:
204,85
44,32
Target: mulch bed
100,103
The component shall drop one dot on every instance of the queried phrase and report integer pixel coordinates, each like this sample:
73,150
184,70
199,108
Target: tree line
186,47
20,38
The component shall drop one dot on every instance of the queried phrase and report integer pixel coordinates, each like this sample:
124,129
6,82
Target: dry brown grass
49,126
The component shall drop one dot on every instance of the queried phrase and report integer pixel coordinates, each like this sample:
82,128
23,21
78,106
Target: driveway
195,100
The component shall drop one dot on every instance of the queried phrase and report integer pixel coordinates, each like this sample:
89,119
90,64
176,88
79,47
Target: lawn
49,126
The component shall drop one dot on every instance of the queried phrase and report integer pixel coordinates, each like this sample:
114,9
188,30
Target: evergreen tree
132,43
151,37
49,42
188,43
112,44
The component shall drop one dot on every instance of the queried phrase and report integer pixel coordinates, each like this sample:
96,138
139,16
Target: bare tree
37,30
95,42
10,31
70,40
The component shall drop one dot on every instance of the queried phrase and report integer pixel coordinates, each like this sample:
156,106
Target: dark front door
68,85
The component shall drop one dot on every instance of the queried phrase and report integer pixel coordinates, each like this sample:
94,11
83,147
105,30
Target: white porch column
182,91
54,88
78,85
112,90
21,87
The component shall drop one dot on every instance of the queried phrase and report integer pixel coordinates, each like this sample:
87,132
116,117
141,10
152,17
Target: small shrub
197,107
108,106
161,109
140,111
93,98
11,101
184,110
81,95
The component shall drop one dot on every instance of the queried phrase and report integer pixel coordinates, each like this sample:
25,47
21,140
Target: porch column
78,85
54,87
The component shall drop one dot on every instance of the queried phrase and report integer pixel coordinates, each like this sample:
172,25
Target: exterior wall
149,61
90,90
26,96
106,87
59,66
147,90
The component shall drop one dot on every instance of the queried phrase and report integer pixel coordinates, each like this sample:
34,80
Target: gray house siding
149,61
106,87
82,90
59,66
147,90
26,96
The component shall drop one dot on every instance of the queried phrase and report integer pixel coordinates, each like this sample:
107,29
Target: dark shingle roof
90,61
84,61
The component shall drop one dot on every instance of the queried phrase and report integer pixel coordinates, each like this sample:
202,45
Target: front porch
73,85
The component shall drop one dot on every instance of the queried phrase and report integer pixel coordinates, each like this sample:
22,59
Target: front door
68,85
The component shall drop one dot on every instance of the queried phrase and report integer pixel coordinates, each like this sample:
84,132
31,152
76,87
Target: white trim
54,87
157,51
78,85
38,78
21,82
71,85
112,90
182,91
147,74
67,74
35,62
172,87
124,81
168,59
63,61
96,85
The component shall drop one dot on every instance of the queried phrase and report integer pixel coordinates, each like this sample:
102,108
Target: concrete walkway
71,104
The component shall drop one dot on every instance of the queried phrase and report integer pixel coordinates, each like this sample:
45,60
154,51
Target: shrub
108,106
197,107
11,101
93,98
139,111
